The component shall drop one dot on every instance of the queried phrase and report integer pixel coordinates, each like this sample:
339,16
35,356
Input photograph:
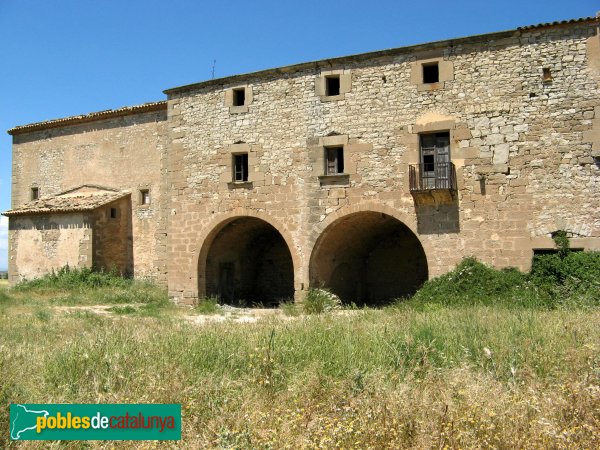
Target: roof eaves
559,23
91,117
24,211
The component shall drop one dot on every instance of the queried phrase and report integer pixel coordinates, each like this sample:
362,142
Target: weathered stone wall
521,108
522,147
125,153
112,237
39,244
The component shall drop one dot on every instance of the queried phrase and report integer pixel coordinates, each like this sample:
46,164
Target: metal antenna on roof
213,69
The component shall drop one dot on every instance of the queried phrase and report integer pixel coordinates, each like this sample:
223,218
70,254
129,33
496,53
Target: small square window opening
240,167
35,193
145,197
113,213
546,74
431,73
334,163
239,97
332,85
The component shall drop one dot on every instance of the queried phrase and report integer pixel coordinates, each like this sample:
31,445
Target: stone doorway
249,264
368,258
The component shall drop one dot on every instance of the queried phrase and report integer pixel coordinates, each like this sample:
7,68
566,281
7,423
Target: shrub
555,280
320,300
208,305
471,282
572,278
69,278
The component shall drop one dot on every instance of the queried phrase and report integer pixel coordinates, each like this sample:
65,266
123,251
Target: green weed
320,300
208,305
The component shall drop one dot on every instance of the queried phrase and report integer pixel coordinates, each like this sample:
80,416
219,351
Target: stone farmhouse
366,174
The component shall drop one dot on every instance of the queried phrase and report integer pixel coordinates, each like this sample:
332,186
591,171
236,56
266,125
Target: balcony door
435,160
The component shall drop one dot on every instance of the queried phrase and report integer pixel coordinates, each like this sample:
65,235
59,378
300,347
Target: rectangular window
35,193
239,97
334,160
435,160
144,197
240,167
332,85
113,213
546,74
431,73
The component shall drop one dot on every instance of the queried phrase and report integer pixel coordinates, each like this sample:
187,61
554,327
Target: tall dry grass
469,377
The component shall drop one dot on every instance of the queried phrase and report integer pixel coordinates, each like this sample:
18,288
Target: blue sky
67,57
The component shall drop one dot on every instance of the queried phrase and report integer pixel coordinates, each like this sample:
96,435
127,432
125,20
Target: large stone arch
368,254
254,221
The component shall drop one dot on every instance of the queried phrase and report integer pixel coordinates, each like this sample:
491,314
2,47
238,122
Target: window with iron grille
435,159
240,167
334,160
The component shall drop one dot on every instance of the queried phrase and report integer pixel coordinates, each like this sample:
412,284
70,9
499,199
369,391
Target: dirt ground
225,313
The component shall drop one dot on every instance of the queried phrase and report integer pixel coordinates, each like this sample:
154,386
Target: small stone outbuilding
89,226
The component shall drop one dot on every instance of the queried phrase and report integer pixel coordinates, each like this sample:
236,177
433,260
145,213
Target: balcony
432,183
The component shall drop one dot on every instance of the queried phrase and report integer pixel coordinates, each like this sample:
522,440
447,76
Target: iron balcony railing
429,177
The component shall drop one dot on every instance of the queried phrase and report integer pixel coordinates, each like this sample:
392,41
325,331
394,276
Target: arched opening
249,263
368,258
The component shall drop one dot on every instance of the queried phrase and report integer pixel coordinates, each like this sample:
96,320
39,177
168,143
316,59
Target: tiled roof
107,114
78,202
557,22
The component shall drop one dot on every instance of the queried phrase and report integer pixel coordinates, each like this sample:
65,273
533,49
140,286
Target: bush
208,305
573,278
471,282
69,278
570,278
84,286
318,301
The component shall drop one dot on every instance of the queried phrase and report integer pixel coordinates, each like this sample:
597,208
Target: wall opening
240,167
332,85
249,264
239,97
144,197
431,73
334,157
368,258
546,74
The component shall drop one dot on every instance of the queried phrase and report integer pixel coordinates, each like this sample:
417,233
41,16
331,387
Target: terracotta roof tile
107,114
66,203
557,22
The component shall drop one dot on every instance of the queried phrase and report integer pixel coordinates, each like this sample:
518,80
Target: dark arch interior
249,264
368,258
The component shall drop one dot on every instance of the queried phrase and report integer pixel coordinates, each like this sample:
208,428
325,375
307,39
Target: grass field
428,376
